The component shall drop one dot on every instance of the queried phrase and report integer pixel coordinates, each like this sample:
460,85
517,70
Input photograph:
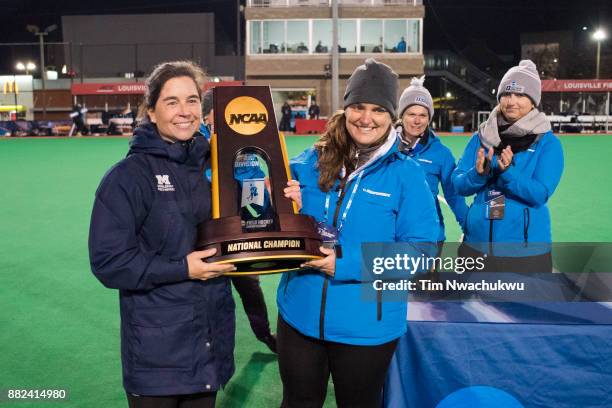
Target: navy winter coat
177,334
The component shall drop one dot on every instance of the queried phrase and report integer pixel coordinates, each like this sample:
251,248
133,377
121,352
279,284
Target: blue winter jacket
527,185
392,204
177,334
438,163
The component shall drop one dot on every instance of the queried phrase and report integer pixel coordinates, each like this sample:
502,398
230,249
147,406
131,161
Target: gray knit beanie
416,94
207,102
373,82
522,79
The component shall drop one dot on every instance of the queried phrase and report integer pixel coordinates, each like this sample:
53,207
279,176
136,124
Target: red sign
121,88
577,85
306,126
209,85
129,88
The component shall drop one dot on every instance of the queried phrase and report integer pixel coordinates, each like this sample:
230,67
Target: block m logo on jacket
163,183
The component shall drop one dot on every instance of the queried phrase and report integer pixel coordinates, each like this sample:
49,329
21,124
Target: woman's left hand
326,265
292,191
505,159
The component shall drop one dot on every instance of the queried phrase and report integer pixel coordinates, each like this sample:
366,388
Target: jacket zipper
526,225
491,237
379,305
326,281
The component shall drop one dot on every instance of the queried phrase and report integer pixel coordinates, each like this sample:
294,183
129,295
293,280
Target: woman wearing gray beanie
359,188
418,141
512,165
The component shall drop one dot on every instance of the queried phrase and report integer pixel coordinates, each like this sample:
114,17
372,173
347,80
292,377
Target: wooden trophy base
265,252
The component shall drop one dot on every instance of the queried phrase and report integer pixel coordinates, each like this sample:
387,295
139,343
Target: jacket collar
386,149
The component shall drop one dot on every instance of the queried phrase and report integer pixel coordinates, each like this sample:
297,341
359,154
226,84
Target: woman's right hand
198,269
480,160
326,265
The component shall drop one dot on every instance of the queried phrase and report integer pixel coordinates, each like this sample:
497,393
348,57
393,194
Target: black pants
254,304
201,400
524,264
305,363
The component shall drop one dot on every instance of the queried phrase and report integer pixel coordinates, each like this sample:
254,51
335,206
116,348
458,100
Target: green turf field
60,326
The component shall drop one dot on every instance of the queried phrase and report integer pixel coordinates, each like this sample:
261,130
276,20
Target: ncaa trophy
253,225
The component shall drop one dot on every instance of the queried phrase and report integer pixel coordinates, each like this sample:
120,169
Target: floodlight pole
335,59
43,71
597,62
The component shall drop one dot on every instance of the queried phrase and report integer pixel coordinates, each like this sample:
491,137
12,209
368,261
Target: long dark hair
335,150
161,74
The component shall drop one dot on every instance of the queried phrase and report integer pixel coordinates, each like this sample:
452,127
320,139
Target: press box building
288,43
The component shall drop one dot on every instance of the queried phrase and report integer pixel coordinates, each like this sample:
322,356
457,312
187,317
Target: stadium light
599,35
27,67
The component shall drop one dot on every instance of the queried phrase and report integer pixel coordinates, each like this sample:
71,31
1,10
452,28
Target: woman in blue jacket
512,165
177,312
421,143
359,188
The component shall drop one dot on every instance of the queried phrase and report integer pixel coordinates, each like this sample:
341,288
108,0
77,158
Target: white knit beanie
416,94
522,79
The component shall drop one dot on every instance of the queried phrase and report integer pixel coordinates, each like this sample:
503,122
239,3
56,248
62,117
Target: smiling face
178,110
414,121
514,106
367,123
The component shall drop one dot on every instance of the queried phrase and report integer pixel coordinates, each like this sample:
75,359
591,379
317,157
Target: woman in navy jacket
512,165
177,312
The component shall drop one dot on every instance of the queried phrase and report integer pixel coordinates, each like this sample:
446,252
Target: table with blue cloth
503,355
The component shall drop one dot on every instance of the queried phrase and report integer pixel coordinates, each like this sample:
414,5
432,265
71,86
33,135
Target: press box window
371,36
321,36
396,34
255,33
297,37
273,37
347,36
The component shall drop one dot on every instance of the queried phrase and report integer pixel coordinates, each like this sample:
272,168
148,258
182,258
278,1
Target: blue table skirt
500,363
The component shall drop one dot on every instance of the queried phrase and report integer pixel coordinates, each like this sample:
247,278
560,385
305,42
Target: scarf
406,145
498,133
362,157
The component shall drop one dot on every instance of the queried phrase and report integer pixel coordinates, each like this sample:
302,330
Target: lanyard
348,205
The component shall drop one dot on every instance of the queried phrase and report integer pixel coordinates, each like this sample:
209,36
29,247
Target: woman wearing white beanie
418,141
512,165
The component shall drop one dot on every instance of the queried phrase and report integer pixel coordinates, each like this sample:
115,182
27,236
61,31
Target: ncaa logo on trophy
253,225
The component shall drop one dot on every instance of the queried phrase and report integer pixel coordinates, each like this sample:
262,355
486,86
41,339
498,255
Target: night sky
449,24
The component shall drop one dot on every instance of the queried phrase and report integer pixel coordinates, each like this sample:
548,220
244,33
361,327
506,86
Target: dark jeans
250,292
202,400
305,363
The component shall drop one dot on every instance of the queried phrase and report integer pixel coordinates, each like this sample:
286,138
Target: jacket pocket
163,337
160,227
